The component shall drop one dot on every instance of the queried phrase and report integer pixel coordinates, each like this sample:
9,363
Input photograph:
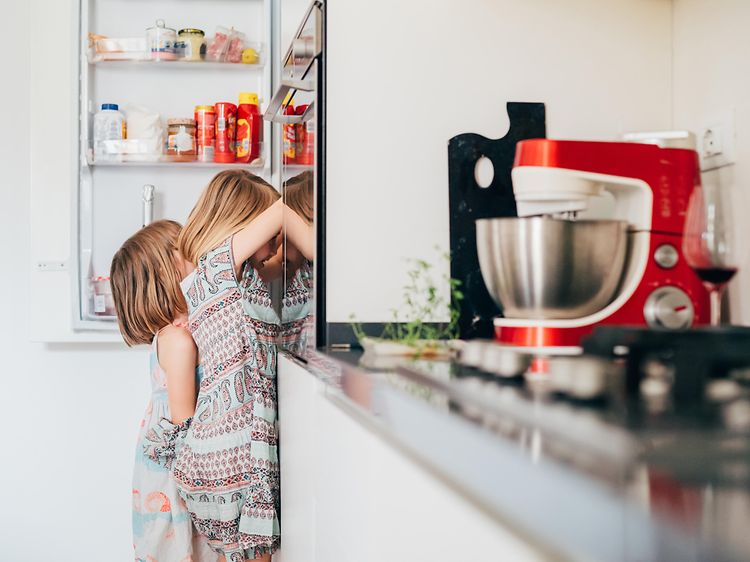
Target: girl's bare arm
299,233
251,238
178,357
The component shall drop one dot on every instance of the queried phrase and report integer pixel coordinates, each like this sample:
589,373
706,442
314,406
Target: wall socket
716,141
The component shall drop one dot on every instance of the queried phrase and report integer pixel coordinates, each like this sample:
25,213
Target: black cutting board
469,202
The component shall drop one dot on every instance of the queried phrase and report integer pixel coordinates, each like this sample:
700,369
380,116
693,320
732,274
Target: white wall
69,413
404,77
712,76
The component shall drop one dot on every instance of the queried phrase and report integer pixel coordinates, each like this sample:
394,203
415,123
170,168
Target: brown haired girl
227,471
145,276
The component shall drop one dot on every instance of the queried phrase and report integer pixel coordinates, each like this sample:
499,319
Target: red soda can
226,119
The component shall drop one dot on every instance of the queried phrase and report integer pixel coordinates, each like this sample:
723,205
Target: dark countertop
571,477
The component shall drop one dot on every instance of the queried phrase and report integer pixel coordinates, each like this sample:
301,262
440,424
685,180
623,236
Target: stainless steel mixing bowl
543,268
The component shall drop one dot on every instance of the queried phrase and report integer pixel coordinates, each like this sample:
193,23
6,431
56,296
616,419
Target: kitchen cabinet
83,208
348,493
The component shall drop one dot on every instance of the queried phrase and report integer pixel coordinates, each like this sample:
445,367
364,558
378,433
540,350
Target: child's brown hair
145,278
231,201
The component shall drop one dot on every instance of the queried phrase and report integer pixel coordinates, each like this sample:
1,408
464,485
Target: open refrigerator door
298,111
167,92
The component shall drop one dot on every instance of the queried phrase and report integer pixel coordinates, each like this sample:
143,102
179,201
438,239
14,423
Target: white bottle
109,125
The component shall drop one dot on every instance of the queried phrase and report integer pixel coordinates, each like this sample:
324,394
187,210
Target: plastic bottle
226,116
249,137
289,134
109,125
305,140
205,140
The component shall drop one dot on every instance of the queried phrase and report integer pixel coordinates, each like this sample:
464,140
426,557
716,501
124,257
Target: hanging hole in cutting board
484,172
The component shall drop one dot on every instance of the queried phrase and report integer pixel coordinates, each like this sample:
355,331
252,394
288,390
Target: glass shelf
176,64
257,164
296,168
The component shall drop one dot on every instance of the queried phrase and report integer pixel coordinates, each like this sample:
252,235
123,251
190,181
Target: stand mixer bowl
545,268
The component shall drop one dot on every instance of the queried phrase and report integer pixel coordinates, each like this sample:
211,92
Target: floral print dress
227,469
162,529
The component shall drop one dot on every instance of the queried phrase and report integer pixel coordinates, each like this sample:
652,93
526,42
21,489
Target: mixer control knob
666,256
669,307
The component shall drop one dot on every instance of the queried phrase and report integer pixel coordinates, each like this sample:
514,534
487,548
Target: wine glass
709,242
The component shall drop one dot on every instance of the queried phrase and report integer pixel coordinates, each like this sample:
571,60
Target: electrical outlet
712,141
716,141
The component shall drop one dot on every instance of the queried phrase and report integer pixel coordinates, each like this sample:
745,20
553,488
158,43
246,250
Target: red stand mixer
598,241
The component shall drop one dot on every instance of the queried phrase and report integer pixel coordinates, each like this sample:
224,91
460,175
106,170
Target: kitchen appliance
554,274
155,94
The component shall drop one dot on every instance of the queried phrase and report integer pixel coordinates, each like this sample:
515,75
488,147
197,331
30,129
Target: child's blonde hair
298,196
145,278
231,201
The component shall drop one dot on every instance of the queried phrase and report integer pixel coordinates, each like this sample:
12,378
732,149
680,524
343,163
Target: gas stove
677,402
641,377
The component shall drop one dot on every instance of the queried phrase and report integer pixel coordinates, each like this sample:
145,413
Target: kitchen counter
572,481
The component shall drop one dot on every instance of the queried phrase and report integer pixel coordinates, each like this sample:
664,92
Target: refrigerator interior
110,194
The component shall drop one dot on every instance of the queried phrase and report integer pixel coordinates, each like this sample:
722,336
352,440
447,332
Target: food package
146,130
117,48
236,45
226,46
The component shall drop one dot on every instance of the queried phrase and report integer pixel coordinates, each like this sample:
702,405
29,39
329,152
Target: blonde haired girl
151,309
227,471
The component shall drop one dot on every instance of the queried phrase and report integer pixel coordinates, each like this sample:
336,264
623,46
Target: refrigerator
117,192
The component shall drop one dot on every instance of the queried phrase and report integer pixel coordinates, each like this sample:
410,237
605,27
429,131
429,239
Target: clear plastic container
118,48
161,41
109,125
102,303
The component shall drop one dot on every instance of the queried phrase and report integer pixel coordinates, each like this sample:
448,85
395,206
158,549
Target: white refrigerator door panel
80,213
118,207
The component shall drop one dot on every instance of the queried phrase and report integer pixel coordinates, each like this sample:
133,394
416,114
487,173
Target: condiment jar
205,120
190,44
160,41
181,145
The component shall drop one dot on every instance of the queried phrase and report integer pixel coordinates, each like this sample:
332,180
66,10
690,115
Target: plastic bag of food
217,47
237,42
226,45
144,126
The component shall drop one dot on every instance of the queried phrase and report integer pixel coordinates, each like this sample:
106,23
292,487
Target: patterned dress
227,470
297,329
162,530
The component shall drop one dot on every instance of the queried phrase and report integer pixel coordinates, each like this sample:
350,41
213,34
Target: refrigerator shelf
127,64
296,168
257,164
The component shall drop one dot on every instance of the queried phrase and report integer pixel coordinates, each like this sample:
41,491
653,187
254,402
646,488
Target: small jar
190,44
181,140
102,302
160,41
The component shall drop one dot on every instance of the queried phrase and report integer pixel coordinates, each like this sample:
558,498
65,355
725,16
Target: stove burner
689,366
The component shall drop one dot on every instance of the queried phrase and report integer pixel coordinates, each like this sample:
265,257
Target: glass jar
102,302
190,44
160,41
181,140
